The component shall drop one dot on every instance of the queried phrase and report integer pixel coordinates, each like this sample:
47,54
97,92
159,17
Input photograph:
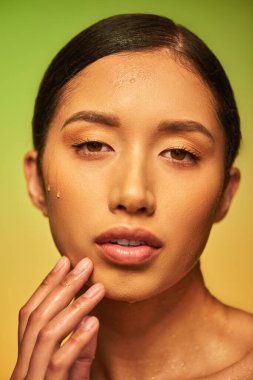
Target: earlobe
228,194
34,181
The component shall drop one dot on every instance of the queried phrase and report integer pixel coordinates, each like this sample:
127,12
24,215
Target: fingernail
89,324
82,266
60,263
93,290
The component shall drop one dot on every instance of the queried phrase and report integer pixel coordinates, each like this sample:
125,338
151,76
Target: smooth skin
150,167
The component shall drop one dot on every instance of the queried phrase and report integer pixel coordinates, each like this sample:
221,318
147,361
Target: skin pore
136,142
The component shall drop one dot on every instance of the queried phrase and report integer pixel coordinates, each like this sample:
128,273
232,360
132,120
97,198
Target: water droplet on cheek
58,194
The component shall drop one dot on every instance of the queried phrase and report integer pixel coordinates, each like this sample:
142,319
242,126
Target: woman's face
159,166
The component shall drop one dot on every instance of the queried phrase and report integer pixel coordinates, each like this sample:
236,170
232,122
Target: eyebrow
175,126
93,117
168,126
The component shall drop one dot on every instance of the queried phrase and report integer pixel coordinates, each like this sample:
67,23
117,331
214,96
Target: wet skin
134,178
136,142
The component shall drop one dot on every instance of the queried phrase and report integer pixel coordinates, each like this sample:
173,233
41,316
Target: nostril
139,210
133,203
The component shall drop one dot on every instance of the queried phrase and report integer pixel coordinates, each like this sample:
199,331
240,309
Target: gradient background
32,33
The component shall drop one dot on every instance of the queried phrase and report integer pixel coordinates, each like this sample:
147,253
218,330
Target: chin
128,297
128,286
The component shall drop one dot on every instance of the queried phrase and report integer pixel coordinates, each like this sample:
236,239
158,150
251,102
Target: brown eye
178,154
94,146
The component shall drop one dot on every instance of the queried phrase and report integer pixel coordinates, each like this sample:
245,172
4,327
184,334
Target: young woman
135,134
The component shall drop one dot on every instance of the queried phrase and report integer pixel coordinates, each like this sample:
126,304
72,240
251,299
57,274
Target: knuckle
87,360
57,364
78,303
66,282
34,317
47,280
24,312
74,341
45,335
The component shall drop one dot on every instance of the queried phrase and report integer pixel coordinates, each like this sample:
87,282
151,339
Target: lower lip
128,255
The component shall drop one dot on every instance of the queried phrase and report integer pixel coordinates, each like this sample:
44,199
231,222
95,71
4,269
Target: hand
49,317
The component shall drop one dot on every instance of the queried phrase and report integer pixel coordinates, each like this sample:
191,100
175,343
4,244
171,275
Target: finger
79,349
52,279
52,304
59,327
82,363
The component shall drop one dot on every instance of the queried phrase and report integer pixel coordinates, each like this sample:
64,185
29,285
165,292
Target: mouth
127,246
128,243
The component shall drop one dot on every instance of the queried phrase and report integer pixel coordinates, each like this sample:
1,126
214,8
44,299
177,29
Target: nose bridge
134,177
132,189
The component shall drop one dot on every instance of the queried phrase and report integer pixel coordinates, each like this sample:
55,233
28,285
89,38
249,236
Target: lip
128,255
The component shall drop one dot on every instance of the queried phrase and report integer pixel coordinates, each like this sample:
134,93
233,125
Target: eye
92,148
180,156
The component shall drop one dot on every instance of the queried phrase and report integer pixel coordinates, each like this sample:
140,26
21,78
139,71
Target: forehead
150,84
123,69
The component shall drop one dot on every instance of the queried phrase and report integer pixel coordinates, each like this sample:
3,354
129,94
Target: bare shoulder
240,370
239,328
235,334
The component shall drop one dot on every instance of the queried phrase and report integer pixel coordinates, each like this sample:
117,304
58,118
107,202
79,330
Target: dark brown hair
136,32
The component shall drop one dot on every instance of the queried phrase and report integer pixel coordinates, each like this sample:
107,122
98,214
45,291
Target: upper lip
137,234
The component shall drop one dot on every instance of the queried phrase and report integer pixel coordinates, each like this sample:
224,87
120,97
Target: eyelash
193,157
79,147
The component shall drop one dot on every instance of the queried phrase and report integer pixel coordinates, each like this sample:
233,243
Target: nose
131,191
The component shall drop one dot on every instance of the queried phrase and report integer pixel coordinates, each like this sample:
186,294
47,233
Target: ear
228,194
34,181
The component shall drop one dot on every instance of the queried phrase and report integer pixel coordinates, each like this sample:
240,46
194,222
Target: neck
146,333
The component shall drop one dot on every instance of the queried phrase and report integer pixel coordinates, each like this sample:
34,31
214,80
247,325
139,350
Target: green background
31,34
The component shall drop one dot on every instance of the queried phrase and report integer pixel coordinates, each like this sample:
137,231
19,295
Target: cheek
188,210
76,201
